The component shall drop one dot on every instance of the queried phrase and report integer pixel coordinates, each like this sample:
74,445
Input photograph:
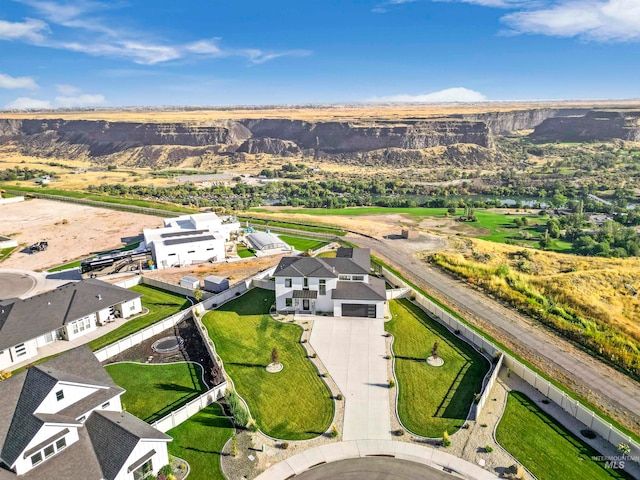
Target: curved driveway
587,373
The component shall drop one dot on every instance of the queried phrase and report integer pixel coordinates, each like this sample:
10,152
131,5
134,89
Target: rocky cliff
367,140
595,125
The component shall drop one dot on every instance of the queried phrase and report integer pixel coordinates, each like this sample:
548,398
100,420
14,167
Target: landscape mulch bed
193,350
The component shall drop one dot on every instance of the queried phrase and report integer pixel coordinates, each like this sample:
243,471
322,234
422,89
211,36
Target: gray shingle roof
360,256
114,435
304,267
23,393
27,319
360,290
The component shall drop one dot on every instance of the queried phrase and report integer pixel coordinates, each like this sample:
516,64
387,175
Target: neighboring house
63,419
68,312
189,239
342,285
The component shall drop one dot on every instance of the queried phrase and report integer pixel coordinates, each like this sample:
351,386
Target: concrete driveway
353,351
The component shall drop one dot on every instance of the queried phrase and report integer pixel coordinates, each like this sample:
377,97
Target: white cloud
144,54
205,47
8,82
84,100
498,3
449,95
30,30
599,20
68,90
27,103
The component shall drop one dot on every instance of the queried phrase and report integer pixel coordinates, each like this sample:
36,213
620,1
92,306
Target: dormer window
59,395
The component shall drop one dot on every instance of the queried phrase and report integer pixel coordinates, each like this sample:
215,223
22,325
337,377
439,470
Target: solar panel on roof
182,233
178,241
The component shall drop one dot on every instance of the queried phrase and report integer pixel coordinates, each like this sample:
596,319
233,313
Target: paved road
373,469
15,284
353,351
609,385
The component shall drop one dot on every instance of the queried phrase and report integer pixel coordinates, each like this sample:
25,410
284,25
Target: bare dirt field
72,231
234,271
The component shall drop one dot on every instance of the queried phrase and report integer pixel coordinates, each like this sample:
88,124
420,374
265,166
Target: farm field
545,447
294,404
432,400
302,244
153,391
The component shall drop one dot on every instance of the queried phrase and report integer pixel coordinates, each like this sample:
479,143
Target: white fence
140,336
571,406
398,293
487,389
187,411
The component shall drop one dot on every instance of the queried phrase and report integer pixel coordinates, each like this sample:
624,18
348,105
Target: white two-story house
342,285
66,313
63,419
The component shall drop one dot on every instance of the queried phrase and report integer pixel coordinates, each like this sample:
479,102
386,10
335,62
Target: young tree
275,357
197,294
434,350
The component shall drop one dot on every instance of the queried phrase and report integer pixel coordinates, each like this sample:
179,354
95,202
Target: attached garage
358,310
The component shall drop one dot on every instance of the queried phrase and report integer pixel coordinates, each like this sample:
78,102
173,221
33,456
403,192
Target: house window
358,278
81,325
323,287
59,395
60,444
132,307
21,350
105,405
344,277
288,302
144,471
36,459
49,450
305,282
287,282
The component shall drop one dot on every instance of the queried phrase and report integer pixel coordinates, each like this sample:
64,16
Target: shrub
252,425
334,432
238,411
399,432
446,441
624,448
546,401
483,425
339,396
588,433
237,294
488,448
392,383
234,446
284,445
166,470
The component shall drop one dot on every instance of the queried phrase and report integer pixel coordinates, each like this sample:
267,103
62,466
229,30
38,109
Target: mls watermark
615,462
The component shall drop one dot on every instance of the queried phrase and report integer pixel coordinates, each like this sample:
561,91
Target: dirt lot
234,271
73,231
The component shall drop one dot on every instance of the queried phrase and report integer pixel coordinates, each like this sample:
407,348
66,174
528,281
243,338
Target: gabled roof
349,261
304,267
115,435
374,290
22,394
24,320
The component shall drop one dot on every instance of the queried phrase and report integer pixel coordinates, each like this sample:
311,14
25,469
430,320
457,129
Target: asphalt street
373,468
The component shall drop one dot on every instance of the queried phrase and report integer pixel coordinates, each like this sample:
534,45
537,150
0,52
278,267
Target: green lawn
327,254
303,244
544,446
161,304
319,228
432,399
153,391
66,266
244,252
294,404
199,441
5,252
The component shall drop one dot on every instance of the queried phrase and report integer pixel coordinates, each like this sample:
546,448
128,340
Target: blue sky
79,53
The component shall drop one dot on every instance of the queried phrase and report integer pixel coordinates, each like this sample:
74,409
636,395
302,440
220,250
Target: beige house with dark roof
66,313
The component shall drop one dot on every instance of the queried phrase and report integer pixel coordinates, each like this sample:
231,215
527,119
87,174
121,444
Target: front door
305,305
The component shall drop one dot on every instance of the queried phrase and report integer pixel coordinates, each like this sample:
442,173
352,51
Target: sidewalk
374,448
